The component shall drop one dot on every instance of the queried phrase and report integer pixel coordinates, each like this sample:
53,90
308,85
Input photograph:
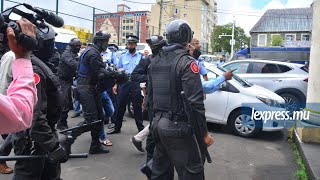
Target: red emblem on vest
194,67
36,78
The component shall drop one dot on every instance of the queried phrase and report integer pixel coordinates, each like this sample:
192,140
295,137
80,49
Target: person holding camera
41,138
17,106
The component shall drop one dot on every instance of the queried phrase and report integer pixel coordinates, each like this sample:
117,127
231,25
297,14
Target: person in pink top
16,108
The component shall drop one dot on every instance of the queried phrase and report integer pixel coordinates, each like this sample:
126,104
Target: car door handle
278,80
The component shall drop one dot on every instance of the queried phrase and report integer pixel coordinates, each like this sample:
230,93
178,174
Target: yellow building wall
84,34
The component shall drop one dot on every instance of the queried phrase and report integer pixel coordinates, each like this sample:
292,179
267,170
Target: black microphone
49,17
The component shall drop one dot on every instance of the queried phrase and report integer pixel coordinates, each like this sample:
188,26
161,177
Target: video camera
38,18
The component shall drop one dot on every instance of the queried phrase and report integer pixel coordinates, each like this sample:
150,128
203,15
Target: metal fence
69,9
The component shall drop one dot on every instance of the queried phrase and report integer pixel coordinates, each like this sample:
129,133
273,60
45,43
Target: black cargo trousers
90,99
175,148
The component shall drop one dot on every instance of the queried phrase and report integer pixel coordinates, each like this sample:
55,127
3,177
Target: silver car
289,80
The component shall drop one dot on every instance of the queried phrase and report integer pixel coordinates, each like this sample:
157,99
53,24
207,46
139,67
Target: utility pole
93,22
232,41
160,18
57,7
119,30
2,5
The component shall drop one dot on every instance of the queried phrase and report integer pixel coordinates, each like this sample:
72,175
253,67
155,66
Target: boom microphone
49,17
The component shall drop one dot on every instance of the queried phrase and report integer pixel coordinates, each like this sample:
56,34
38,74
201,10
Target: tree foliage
276,40
223,43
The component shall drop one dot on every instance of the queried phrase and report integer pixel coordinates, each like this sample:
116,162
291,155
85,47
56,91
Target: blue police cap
132,38
113,46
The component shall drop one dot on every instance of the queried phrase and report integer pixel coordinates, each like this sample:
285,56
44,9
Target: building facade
200,14
292,26
83,34
124,22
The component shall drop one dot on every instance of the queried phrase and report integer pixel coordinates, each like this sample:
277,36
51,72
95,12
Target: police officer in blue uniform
90,73
110,55
129,61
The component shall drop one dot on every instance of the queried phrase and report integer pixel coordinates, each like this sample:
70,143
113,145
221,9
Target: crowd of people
37,87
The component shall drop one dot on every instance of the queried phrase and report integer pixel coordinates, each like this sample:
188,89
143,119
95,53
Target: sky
246,13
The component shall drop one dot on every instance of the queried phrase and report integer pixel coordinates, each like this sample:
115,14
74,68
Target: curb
310,171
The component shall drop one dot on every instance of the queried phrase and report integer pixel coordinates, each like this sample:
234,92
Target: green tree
223,43
276,40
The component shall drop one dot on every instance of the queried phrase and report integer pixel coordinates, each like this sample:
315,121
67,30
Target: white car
289,80
209,58
143,46
233,103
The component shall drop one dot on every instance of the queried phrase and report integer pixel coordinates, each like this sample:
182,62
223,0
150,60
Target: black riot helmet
156,43
101,40
75,45
46,46
101,36
178,31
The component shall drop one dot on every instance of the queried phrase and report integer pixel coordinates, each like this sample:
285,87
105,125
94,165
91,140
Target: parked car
143,46
209,58
289,80
232,105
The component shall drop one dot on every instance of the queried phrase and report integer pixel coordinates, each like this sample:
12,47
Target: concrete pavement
268,156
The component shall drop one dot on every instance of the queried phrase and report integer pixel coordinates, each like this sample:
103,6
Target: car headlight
269,102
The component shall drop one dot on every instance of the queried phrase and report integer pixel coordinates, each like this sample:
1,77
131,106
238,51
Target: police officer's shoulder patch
194,67
36,78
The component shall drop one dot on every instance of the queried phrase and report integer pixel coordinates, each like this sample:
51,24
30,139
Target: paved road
266,157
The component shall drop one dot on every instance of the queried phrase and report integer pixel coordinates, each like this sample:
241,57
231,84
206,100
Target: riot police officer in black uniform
66,71
139,74
90,72
171,72
41,138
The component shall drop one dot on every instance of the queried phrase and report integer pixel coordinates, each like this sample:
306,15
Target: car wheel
292,102
241,124
130,109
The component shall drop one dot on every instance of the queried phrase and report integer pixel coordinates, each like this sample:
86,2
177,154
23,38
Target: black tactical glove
105,74
121,76
58,155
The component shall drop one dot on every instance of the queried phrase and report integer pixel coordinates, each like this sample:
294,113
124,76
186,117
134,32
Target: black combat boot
98,149
62,125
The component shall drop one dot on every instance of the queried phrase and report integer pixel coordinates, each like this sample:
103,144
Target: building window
123,34
123,27
114,41
123,41
290,37
124,21
131,27
127,21
305,37
131,21
262,39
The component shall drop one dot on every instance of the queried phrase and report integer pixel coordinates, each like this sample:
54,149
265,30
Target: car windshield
241,81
